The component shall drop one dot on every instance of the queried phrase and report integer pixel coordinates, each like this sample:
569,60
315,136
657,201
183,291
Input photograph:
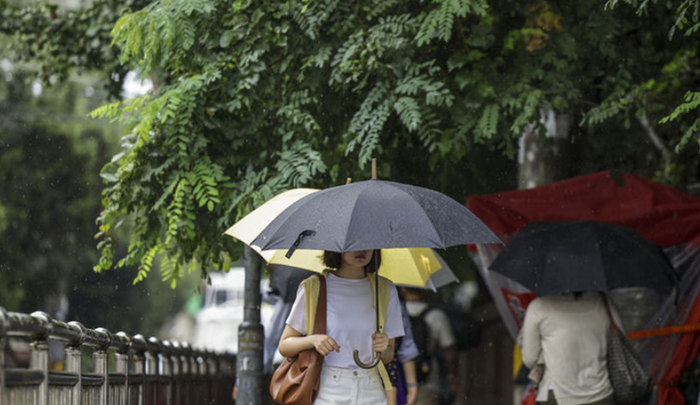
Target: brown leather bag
298,379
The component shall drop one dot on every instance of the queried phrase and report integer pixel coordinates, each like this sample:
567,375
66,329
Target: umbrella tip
374,168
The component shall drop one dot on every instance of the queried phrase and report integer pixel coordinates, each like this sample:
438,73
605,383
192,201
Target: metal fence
125,369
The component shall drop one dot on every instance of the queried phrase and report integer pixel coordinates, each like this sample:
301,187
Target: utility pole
249,367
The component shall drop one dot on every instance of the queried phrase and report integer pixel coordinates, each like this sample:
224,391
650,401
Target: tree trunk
544,159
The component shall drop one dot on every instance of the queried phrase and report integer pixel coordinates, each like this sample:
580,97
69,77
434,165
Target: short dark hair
376,258
333,260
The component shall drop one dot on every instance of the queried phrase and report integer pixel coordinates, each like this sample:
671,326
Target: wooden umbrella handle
371,364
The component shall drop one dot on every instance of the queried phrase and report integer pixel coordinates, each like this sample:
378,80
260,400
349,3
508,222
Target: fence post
167,370
121,365
230,361
153,371
101,364
139,348
203,375
212,375
73,361
176,370
215,378
185,374
39,355
194,375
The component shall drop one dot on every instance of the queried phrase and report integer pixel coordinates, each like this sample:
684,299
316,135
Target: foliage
50,156
659,89
60,42
257,97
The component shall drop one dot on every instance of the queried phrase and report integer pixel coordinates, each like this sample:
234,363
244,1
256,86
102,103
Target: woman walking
350,325
566,334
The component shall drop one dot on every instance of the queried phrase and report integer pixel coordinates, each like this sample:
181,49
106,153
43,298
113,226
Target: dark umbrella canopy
558,257
374,214
371,215
285,281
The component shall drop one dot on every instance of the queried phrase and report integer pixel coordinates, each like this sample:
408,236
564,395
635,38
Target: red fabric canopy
664,215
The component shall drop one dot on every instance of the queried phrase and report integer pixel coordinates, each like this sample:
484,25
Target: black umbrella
560,257
374,214
285,281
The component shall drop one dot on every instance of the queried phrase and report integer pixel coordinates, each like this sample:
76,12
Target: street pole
249,367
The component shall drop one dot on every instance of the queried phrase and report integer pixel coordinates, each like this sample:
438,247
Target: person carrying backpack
437,345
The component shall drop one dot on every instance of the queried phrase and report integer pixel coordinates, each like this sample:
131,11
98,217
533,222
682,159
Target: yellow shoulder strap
311,290
383,308
312,287
383,298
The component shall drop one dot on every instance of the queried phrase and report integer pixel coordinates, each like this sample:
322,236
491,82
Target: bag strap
613,325
320,321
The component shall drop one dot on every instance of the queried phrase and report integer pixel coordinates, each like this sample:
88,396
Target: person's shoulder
435,312
311,283
539,304
314,278
437,320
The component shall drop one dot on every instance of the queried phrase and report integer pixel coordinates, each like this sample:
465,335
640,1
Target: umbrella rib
263,246
443,242
349,222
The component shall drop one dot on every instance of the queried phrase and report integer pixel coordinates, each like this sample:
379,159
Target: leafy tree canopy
256,97
50,157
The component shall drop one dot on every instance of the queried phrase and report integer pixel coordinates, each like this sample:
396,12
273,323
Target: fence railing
126,370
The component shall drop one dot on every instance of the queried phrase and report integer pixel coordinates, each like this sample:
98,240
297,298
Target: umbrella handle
371,364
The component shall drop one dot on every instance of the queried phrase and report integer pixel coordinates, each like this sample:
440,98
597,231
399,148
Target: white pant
344,386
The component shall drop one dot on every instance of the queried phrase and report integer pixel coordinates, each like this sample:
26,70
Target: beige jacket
571,337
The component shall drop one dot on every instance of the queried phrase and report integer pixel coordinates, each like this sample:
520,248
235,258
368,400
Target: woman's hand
380,342
324,344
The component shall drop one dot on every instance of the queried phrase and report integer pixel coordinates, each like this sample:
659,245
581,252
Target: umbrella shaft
376,292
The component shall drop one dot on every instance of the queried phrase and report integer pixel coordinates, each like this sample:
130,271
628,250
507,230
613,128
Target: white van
222,311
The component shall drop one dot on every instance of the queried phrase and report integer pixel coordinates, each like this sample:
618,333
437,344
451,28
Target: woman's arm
392,369
292,342
409,372
391,395
532,343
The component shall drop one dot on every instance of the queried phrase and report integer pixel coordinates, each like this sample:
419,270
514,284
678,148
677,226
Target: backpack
421,334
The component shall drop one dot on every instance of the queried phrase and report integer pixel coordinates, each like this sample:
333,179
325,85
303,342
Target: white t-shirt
350,318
